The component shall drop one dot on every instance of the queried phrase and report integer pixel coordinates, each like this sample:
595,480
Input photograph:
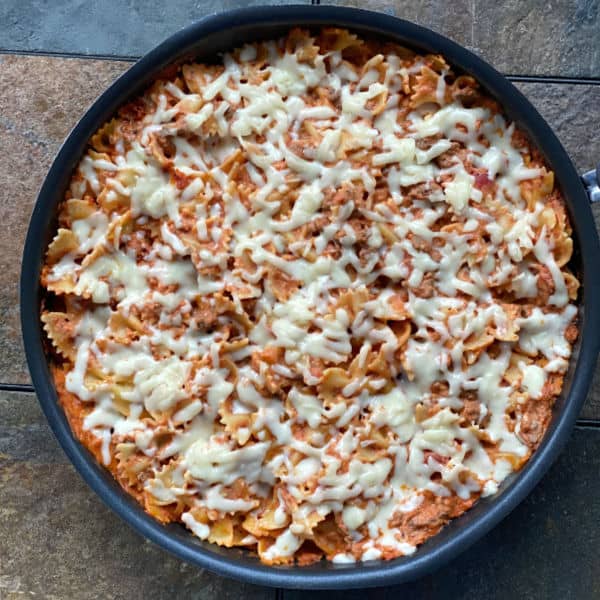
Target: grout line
28,388
588,423
52,54
132,58
16,387
553,79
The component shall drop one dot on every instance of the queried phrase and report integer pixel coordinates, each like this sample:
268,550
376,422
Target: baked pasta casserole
312,300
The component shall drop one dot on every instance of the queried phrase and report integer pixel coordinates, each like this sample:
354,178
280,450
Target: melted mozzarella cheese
269,199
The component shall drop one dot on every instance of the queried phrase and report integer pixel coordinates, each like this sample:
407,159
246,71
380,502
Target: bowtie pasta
313,299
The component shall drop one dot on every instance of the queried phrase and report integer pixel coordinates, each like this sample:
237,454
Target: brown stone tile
40,100
57,539
527,38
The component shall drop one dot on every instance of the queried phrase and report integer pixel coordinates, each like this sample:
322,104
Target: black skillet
204,40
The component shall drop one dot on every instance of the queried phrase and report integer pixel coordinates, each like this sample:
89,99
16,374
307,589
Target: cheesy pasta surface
312,300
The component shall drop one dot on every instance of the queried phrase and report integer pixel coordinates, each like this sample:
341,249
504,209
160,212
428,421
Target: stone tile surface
546,548
40,100
573,111
539,37
107,28
591,409
533,37
57,539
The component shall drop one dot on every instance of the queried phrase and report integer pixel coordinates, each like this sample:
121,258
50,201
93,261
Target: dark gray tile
57,539
538,37
107,28
546,549
573,111
591,409
567,109
452,19
515,36
529,37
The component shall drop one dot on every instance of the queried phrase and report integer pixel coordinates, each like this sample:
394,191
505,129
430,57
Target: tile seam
16,387
69,55
514,77
28,388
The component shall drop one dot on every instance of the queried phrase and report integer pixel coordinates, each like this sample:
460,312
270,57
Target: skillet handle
591,181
